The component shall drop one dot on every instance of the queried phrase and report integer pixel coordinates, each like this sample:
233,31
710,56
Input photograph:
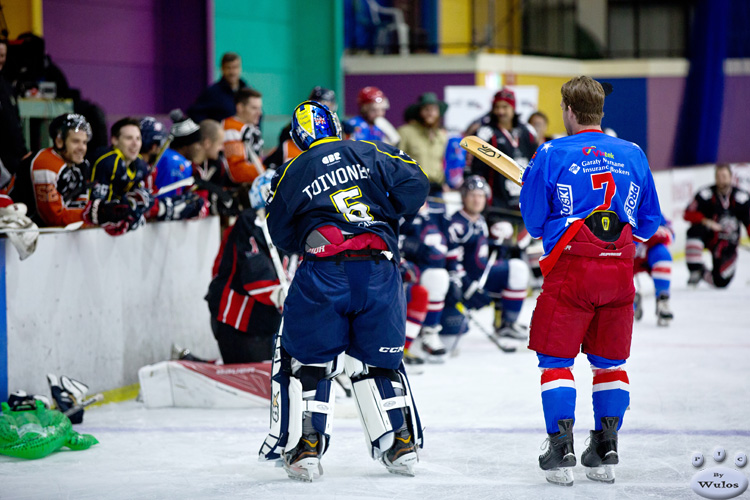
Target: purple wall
402,90
734,145
131,57
664,98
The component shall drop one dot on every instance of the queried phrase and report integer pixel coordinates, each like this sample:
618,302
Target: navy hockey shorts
353,306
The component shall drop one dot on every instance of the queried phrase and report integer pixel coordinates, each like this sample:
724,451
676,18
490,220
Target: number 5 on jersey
604,180
353,211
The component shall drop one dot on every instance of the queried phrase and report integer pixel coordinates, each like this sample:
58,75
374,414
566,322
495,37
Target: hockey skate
402,456
695,277
512,330
663,313
601,456
430,343
302,463
414,364
558,460
638,306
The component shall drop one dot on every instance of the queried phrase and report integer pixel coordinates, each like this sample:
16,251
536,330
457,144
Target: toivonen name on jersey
341,175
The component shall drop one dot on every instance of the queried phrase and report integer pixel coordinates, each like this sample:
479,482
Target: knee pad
436,281
518,275
299,392
384,403
453,322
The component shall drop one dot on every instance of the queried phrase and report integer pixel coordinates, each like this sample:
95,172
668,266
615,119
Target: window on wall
654,28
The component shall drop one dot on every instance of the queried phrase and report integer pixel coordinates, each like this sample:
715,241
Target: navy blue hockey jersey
357,186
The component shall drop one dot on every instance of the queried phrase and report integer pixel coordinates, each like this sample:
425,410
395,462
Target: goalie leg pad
384,403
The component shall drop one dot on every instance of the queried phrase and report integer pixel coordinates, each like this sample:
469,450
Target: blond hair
585,96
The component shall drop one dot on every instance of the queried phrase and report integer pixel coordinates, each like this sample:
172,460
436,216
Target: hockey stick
496,159
86,402
505,348
479,285
70,227
186,182
175,115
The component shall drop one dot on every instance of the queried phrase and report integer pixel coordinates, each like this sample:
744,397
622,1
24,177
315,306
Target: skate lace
545,445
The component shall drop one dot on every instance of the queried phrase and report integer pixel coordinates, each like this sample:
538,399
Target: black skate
560,457
601,456
303,461
402,456
695,277
663,313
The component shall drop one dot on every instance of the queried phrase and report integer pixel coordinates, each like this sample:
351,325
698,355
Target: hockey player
653,257
505,282
244,296
53,185
372,104
588,196
423,243
715,215
339,203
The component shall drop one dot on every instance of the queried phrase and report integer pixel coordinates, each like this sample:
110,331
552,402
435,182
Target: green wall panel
287,48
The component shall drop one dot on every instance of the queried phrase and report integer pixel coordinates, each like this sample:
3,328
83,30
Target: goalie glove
278,296
68,393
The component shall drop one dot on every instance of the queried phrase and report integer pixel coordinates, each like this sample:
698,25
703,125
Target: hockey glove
99,212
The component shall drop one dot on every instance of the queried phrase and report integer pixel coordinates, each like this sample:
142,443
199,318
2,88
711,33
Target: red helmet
371,94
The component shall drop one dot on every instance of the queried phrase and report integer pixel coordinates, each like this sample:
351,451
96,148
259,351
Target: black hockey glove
100,212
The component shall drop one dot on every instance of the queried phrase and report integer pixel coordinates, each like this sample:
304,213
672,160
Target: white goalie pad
374,404
323,404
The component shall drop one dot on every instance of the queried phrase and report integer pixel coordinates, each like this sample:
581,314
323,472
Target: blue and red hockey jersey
570,178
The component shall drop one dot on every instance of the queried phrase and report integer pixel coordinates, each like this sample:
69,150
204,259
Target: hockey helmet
323,95
474,182
260,189
152,132
311,122
69,121
372,95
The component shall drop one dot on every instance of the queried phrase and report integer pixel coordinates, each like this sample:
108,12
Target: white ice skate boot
663,313
432,345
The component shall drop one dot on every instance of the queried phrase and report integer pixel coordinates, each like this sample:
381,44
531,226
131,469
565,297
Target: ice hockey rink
483,426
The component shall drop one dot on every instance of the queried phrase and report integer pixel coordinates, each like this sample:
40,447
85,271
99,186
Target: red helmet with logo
371,95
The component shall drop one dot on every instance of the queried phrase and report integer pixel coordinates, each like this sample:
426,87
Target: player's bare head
585,96
212,138
126,136
249,105
723,176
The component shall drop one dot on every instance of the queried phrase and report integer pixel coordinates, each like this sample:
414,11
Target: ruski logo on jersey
565,195
574,168
631,202
331,158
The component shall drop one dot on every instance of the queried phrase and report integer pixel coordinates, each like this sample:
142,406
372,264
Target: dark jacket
216,102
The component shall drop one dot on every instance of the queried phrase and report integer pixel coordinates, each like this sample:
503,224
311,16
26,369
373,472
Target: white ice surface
483,418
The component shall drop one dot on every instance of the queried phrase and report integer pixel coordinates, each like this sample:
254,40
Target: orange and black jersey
242,145
112,177
54,191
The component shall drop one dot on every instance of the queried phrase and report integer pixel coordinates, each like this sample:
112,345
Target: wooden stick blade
493,157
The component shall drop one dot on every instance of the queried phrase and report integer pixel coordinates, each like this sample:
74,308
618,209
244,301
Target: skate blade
602,474
562,476
404,466
305,470
663,321
435,359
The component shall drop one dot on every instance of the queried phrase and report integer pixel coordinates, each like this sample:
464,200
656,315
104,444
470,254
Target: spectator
425,140
286,149
540,123
217,101
500,128
53,187
372,104
243,142
12,145
244,295
716,214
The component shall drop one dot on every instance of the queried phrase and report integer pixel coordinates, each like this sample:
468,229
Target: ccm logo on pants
391,350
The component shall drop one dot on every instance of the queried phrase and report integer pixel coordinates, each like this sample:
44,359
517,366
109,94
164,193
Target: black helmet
70,121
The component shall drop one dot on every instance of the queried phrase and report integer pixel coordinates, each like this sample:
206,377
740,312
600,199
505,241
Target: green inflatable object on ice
37,433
